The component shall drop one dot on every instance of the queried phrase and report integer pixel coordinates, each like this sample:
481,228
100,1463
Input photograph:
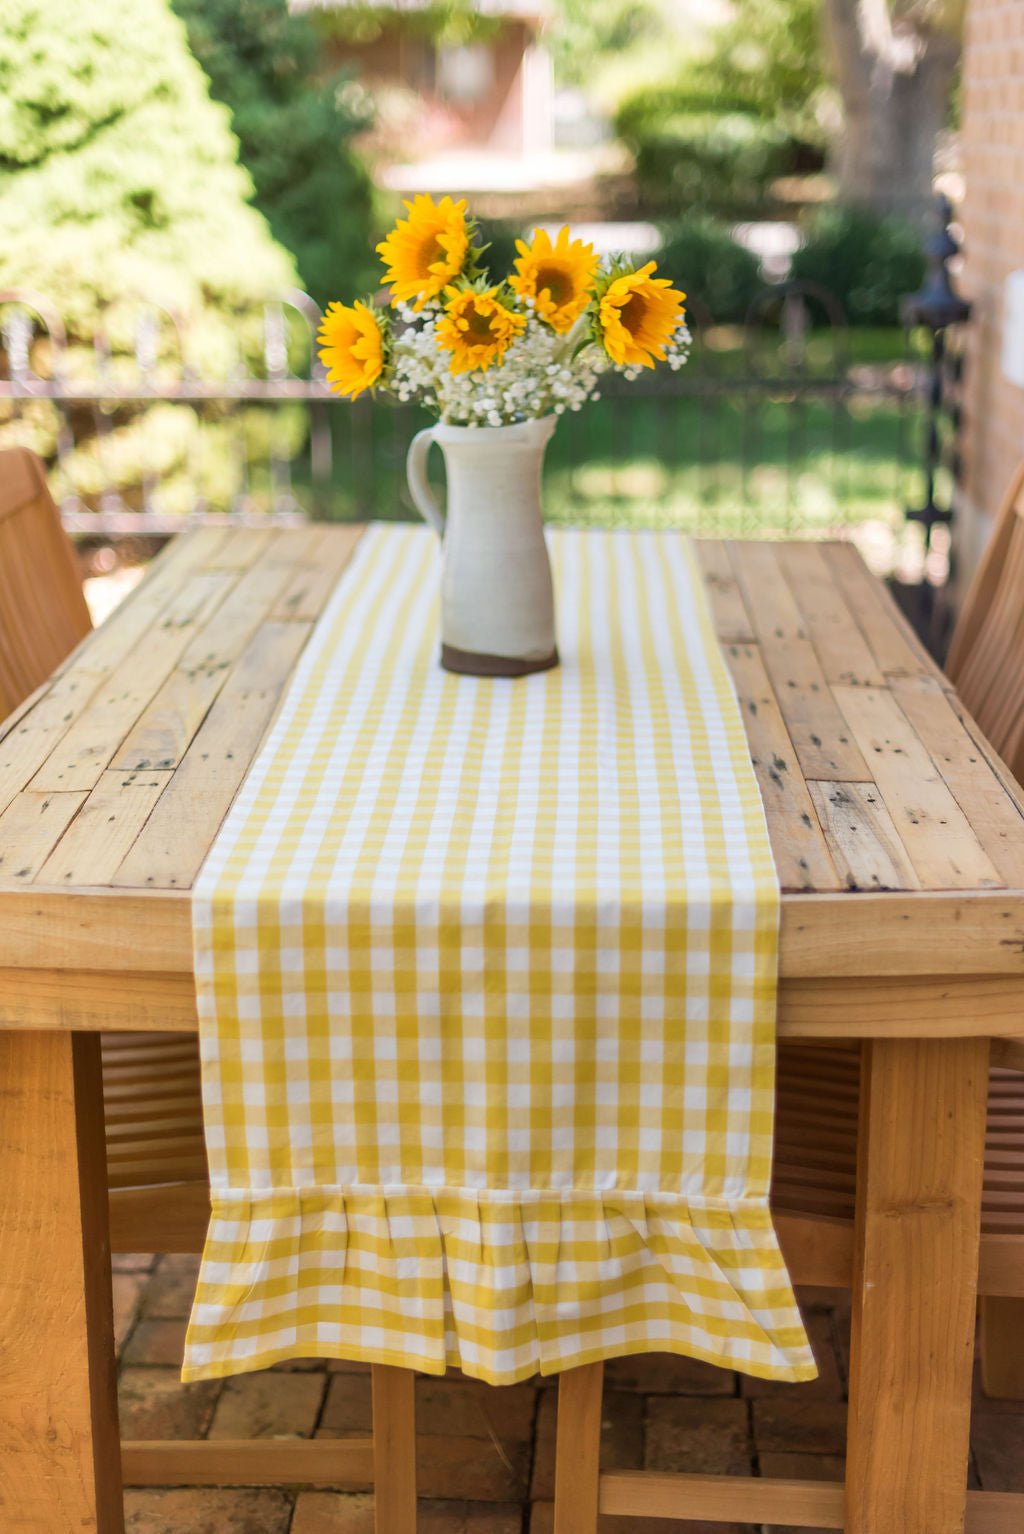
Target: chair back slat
43,613
986,658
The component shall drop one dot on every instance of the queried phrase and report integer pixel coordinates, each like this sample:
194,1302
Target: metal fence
789,424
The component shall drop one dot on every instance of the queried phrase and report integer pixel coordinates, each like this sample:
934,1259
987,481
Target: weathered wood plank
175,840
135,617
104,829
30,828
798,844
88,928
307,593
1013,790
918,933
166,727
24,707
939,839
816,727
996,818
838,642
243,546
41,728
890,638
92,741
728,609
862,839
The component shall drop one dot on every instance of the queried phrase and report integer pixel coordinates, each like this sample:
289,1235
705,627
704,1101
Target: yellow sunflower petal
351,348
476,330
558,278
426,251
637,314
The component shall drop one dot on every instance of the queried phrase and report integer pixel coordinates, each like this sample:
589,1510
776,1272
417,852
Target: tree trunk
895,82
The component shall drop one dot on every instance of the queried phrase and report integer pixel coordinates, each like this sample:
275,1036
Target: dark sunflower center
431,250
480,326
633,312
557,282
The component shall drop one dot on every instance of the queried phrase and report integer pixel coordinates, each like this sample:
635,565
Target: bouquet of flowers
481,351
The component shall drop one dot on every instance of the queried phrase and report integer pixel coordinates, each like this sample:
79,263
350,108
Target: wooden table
900,845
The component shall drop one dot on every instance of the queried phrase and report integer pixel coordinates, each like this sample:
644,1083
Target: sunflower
351,348
476,329
426,251
637,315
559,277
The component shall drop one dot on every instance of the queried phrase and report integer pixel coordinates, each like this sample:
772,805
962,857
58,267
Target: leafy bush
701,256
120,177
587,32
769,57
294,127
689,154
868,260
725,125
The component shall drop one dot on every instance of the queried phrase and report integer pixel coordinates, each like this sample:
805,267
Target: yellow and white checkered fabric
486,976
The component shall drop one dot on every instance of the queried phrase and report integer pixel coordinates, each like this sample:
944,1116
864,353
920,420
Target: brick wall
993,219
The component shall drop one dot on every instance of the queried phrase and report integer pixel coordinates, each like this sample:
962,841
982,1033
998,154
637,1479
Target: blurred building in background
491,94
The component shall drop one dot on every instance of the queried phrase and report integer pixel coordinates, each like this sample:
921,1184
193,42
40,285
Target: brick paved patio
487,1455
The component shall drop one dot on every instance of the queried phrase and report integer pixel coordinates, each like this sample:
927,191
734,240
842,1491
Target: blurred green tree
587,30
769,58
119,181
785,83
734,119
294,125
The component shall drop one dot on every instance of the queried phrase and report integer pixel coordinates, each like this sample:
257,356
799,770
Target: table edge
835,935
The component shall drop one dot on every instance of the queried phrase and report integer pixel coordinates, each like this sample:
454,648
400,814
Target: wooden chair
43,614
986,657
156,1156
986,662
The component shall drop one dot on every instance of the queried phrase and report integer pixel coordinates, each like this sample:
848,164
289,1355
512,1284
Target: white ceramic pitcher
497,600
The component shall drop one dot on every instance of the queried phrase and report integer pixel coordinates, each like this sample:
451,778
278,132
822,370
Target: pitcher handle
419,484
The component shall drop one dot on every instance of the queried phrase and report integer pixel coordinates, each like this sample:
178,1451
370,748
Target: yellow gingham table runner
486,975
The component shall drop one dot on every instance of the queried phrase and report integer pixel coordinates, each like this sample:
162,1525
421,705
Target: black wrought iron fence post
938,307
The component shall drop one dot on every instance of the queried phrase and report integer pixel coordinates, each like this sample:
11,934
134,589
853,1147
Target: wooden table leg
60,1457
922,1141
394,1449
578,1449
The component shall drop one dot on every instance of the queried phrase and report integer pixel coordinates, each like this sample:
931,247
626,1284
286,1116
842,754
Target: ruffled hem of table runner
502,1286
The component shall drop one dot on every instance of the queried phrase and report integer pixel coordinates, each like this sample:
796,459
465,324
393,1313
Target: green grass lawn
735,468
762,466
